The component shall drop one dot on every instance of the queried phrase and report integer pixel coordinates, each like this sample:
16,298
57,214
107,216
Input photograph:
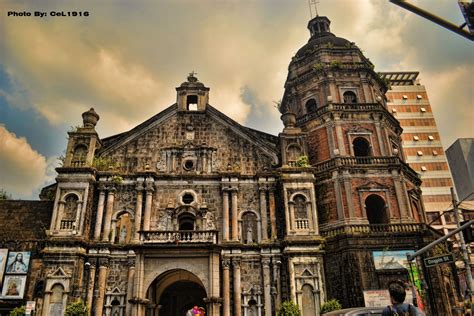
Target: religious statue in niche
249,234
164,221
209,221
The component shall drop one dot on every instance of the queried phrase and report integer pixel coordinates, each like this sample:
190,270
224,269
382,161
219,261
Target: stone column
348,189
237,288
226,287
402,205
100,213
59,215
267,286
225,214
99,304
130,277
276,278
263,212
138,212
77,220
383,150
271,198
235,215
108,214
113,230
90,288
339,135
148,202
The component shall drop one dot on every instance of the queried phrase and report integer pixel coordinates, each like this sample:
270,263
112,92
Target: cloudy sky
126,58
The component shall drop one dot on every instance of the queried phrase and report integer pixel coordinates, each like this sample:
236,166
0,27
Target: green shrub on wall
288,308
76,309
331,305
18,311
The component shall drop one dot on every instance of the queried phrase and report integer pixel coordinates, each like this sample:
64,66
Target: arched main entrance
174,292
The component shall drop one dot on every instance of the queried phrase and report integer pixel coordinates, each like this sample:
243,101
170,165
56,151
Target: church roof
266,141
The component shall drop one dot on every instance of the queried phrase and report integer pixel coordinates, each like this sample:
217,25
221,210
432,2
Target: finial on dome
192,77
90,118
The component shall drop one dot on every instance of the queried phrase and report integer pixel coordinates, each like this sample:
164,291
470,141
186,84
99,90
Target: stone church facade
192,208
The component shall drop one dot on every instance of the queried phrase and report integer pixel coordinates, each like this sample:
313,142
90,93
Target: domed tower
353,140
368,199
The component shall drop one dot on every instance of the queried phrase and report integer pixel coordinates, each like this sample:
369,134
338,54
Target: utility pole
465,255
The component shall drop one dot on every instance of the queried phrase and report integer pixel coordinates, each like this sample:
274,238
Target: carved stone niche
187,159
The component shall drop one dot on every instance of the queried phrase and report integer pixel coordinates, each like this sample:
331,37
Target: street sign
434,261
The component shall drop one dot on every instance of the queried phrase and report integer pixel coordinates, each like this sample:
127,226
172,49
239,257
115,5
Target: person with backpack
397,297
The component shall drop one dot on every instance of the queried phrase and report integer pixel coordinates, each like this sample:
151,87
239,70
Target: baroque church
191,208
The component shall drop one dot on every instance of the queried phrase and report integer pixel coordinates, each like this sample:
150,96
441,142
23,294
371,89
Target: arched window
186,221
309,308
300,212
300,207
253,310
56,300
293,153
349,97
116,310
376,209
361,147
70,207
192,102
80,154
123,228
249,228
311,106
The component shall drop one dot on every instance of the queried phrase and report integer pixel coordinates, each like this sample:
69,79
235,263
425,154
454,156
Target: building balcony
377,229
348,107
380,162
179,237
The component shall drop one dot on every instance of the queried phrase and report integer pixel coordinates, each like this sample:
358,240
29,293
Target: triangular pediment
58,273
197,132
306,273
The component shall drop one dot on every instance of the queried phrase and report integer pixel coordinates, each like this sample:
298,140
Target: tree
288,308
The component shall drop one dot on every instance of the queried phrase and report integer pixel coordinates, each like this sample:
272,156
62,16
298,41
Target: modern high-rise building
461,161
408,101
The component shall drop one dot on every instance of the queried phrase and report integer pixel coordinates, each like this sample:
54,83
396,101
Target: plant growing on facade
331,305
116,179
18,311
103,163
336,64
77,308
303,162
318,66
288,308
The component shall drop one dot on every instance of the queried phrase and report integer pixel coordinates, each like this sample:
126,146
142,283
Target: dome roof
321,36
322,39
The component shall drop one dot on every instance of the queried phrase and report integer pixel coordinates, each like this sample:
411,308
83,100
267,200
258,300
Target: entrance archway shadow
175,292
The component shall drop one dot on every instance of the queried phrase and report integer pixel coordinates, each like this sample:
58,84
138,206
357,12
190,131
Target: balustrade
180,236
362,229
67,224
302,224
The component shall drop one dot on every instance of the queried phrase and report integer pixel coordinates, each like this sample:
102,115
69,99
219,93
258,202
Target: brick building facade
191,208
